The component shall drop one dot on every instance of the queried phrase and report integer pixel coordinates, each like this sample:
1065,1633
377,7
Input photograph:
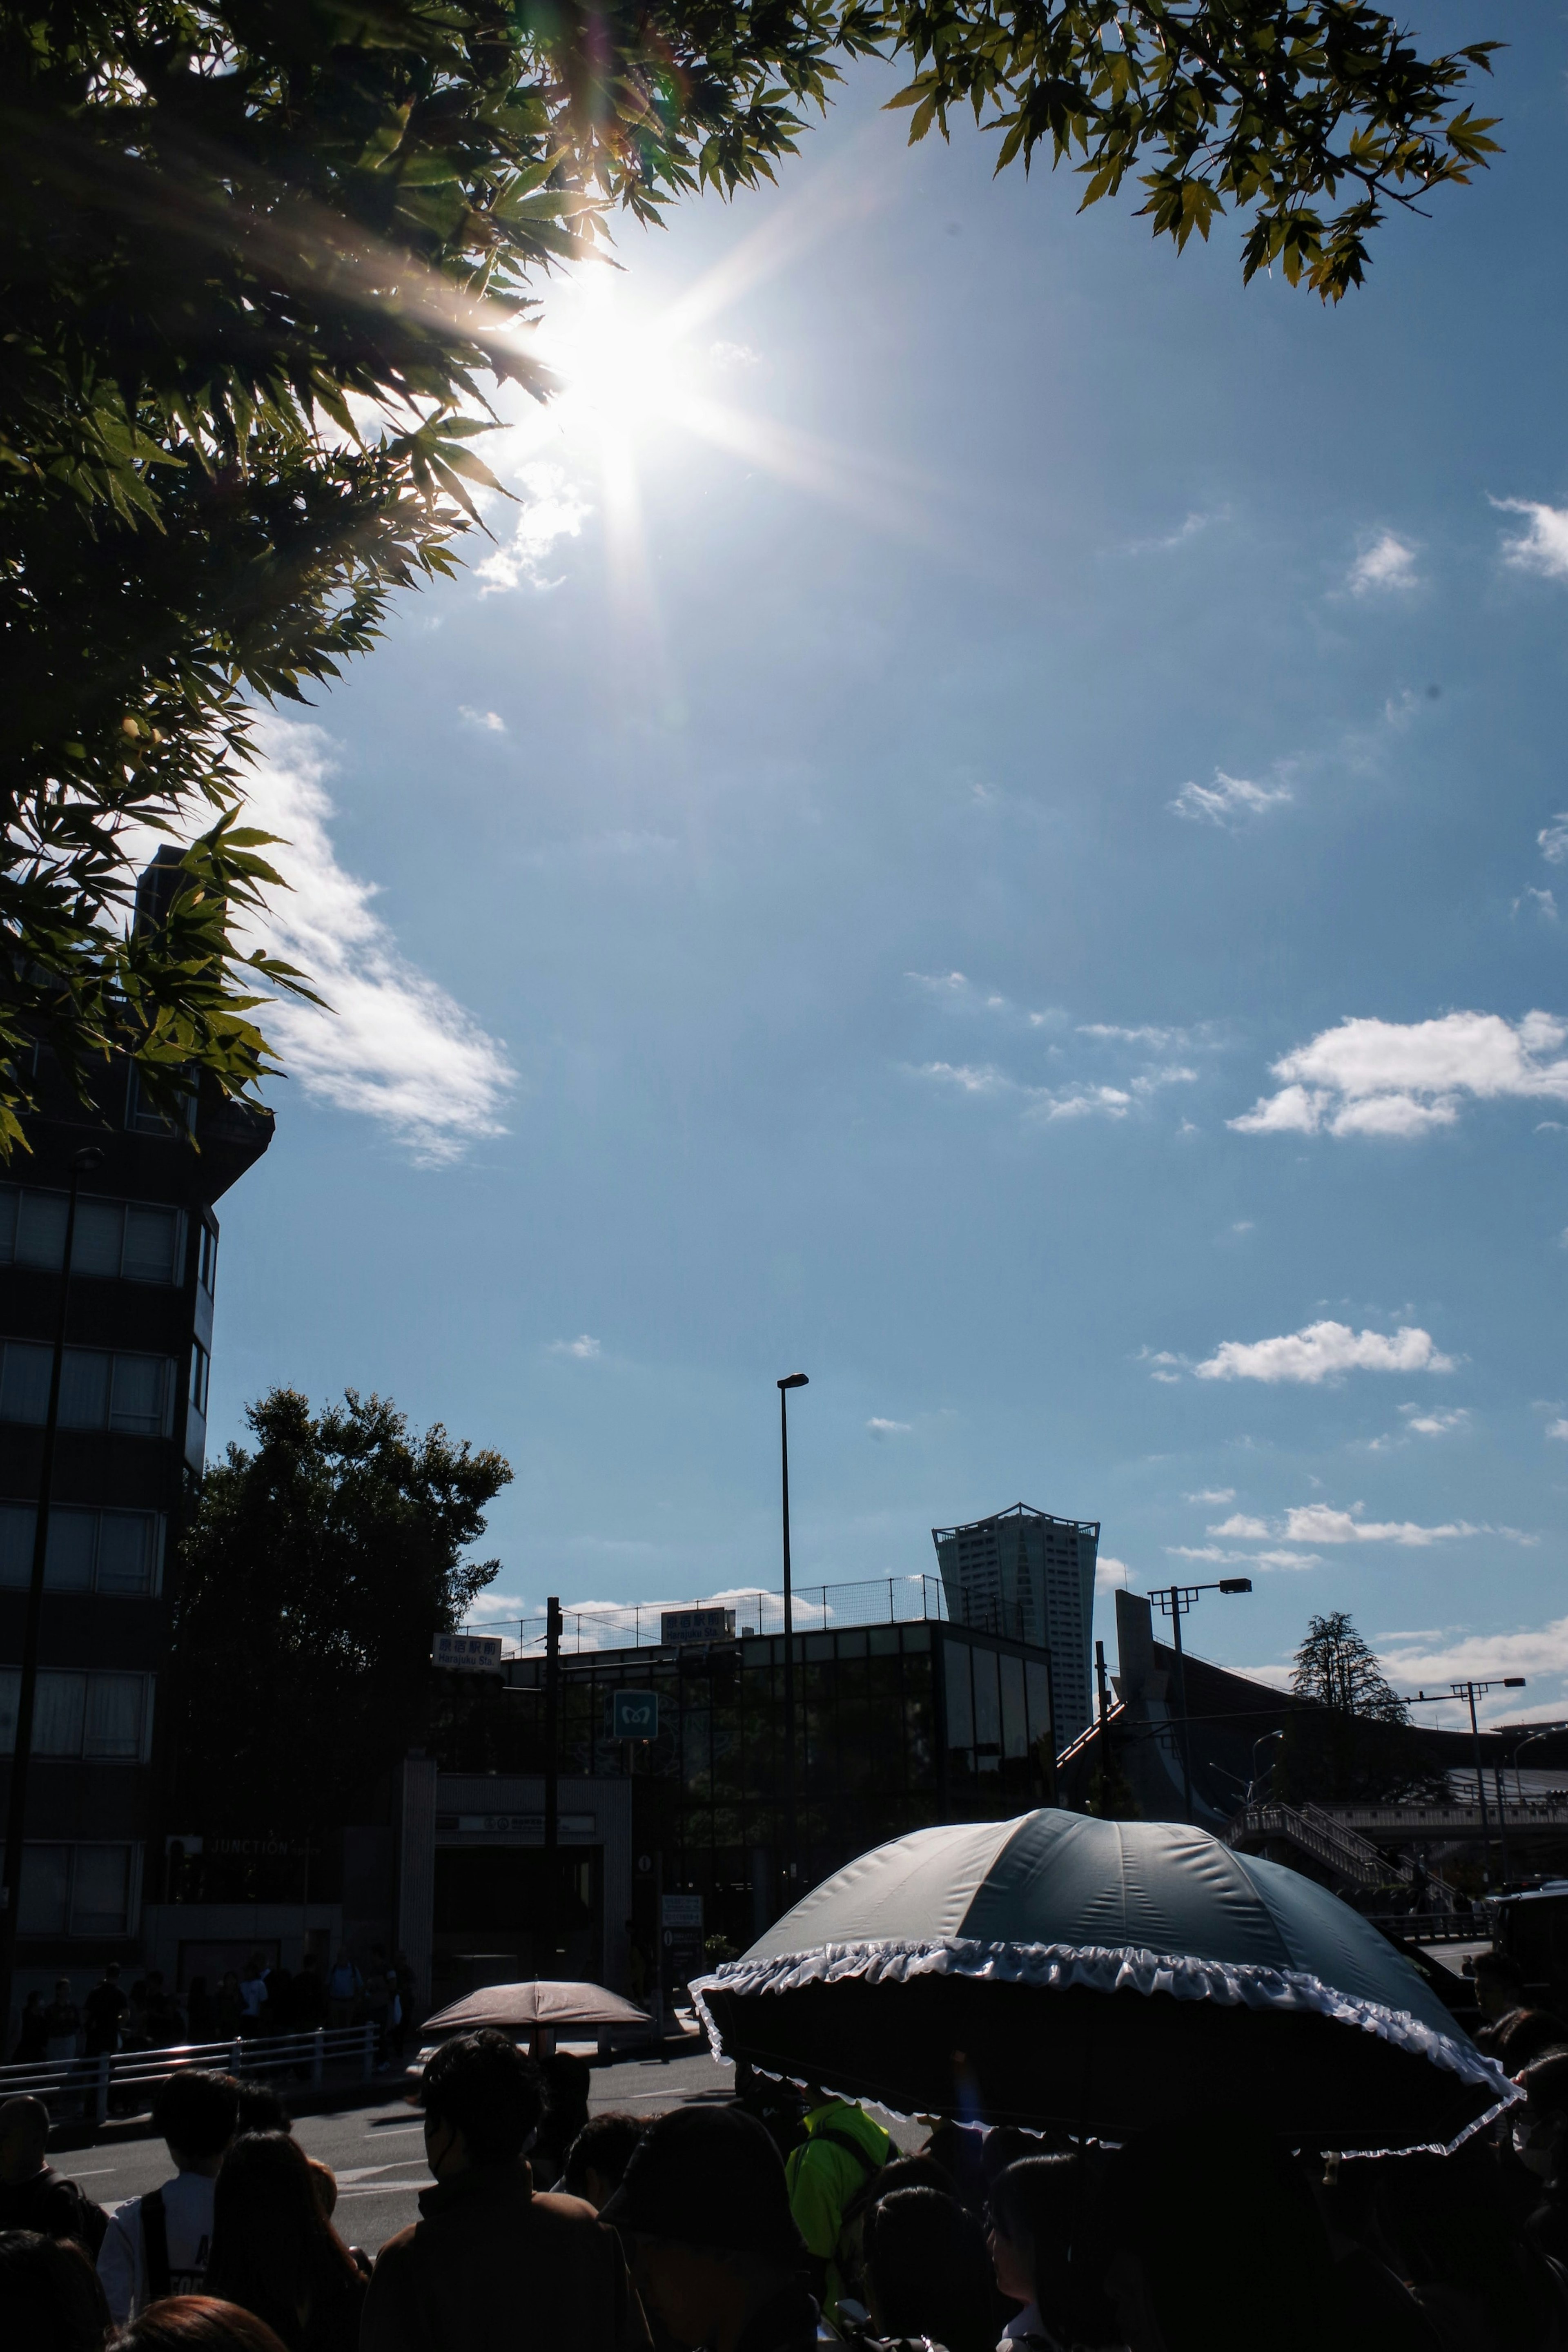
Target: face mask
1535,2145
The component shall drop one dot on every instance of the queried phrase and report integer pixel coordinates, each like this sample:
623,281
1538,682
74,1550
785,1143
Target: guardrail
94,2081
1329,1842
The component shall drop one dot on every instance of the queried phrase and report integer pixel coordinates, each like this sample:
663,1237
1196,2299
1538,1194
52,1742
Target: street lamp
790,1381
1176,1601
1472,1691
22,1754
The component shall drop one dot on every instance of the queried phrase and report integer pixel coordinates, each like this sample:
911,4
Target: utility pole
1176,1601
1471,1691
553,1623
790,1381
22,1755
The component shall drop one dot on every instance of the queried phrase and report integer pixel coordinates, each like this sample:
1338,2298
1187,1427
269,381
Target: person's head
273,2251
482,2101
597,2159
24,2138
230,1981
154,1980
33,2000
111,1972
566,2080
62,1988
1032,2213
704,2207
1153,2249
910,2172
1540,2129
1500,1984
959,2149
324,2187
1526,2034
261,2108
196,2323
50,2298
927,2271
195,2112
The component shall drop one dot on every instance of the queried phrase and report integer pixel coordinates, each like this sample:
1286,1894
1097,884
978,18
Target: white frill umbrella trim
1107,1968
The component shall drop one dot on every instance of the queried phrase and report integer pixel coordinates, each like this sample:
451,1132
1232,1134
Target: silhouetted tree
314,1572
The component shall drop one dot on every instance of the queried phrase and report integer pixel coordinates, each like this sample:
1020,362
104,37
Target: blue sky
989,828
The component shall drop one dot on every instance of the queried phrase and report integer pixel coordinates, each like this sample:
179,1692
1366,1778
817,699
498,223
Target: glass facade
897,1726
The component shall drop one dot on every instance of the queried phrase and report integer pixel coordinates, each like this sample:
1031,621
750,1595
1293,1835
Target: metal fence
100,2082
869,1600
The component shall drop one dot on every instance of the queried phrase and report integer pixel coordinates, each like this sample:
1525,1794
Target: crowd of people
243,2004
770,2223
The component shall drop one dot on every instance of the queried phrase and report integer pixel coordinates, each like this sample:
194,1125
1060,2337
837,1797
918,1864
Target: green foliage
1335,1668
1263,106
1353,1741
311,1579
262,259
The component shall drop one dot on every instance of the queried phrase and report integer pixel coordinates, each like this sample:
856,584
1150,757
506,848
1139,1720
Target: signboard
696,1625
468,1654
681,1934
526,1825
634,1715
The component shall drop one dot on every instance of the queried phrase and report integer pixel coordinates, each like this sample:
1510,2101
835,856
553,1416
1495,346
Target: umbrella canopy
1105,1976
547,2001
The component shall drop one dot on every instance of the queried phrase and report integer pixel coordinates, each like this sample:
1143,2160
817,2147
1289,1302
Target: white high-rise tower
1025,1573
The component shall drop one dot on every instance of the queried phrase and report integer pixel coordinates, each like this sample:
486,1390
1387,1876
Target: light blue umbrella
1105,1976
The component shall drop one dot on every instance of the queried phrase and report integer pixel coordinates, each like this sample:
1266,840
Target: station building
898,1725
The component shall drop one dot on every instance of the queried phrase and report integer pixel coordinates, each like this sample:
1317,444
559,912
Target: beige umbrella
545,2004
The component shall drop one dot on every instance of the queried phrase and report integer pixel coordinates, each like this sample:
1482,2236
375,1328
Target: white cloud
1213,1495
1385,564
585,1347
1320,1523
1405,1078
1542,545
1437,1424
1539,1653
553,510
1557,1429
1209,1553
490,721
395,1046
1553,839
1040,1102
1323,1351
1189,528
733,355
1286,1559
1228,800
881,1428
1110,1575
1238,1526
1543,901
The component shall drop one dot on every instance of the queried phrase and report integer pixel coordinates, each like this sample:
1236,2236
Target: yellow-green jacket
826,2173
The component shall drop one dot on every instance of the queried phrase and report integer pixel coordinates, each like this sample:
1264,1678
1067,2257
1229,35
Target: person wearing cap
489,2266
703,2208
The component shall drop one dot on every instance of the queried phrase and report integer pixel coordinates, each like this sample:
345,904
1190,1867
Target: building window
100,1718
98,1391
128,1240
120,1553
200,1365
142,1117
209,1259
78,1890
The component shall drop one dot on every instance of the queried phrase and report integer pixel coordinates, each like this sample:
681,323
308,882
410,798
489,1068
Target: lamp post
1176,1601
790,1381
22,1756
1531,1739
1472,1691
